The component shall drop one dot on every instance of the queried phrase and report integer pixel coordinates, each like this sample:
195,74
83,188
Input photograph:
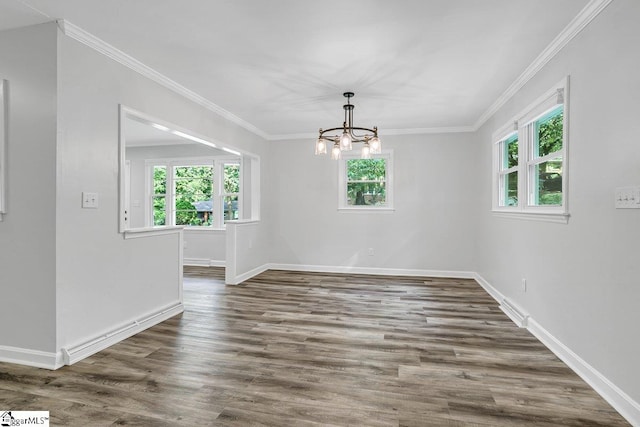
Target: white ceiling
282,65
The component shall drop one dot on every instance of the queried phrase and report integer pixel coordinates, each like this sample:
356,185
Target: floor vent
74,354
514,313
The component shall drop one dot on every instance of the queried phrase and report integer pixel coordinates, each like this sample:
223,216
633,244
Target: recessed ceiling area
282,65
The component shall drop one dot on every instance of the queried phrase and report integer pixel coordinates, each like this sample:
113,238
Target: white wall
27,232
102,279
430,229
247,250
582,277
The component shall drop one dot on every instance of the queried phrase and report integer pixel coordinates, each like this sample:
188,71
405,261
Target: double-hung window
199,193
530,160
366,184
192,202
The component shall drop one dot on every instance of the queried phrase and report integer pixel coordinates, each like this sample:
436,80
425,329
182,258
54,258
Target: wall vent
515,313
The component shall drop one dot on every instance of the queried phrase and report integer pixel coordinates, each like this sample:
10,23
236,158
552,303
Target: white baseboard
35,358
495,294
373,270
86,349
617,398
246,276
621,402
203,262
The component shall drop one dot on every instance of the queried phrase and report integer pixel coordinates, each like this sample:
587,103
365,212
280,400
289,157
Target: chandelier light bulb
335,151
345,142
376,145
321,146
366,151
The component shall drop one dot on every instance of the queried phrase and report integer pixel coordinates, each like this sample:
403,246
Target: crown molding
417,131
88,39
386,132
586,15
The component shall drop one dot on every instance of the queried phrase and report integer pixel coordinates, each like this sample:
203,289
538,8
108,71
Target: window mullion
524,138
169,197
217,196
546,158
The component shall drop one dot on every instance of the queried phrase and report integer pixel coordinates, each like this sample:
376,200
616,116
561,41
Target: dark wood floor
291,349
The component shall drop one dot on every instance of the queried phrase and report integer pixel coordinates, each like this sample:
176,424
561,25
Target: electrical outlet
371,252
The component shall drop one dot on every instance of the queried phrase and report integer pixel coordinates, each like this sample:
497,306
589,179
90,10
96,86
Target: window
508,173
366,183
193,195
159,196
530,163
187,192
545,164
231,190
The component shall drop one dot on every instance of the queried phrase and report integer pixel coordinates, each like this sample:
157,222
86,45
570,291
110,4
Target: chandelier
344,141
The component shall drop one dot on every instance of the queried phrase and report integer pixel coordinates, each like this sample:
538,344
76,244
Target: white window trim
342,184
217,162
525,211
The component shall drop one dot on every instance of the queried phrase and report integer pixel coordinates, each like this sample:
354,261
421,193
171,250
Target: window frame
524,125
343,205
217,194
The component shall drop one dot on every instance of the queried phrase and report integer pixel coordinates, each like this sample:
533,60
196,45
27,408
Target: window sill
137,233
385,209
557,217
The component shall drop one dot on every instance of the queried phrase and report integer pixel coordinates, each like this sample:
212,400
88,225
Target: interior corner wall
103,280
430,229
582,277
27,232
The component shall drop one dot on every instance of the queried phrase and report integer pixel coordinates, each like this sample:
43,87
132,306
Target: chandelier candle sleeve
336,152
321,146
345,136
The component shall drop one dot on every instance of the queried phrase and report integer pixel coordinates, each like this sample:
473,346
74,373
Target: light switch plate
628,198
89,200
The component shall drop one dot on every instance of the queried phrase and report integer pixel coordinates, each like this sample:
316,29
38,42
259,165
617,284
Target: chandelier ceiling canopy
342,138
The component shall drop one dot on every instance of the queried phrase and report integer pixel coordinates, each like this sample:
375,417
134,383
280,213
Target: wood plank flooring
306,349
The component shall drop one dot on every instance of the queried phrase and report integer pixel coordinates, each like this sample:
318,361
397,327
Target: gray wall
27,233
582,277
431,227
130,278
